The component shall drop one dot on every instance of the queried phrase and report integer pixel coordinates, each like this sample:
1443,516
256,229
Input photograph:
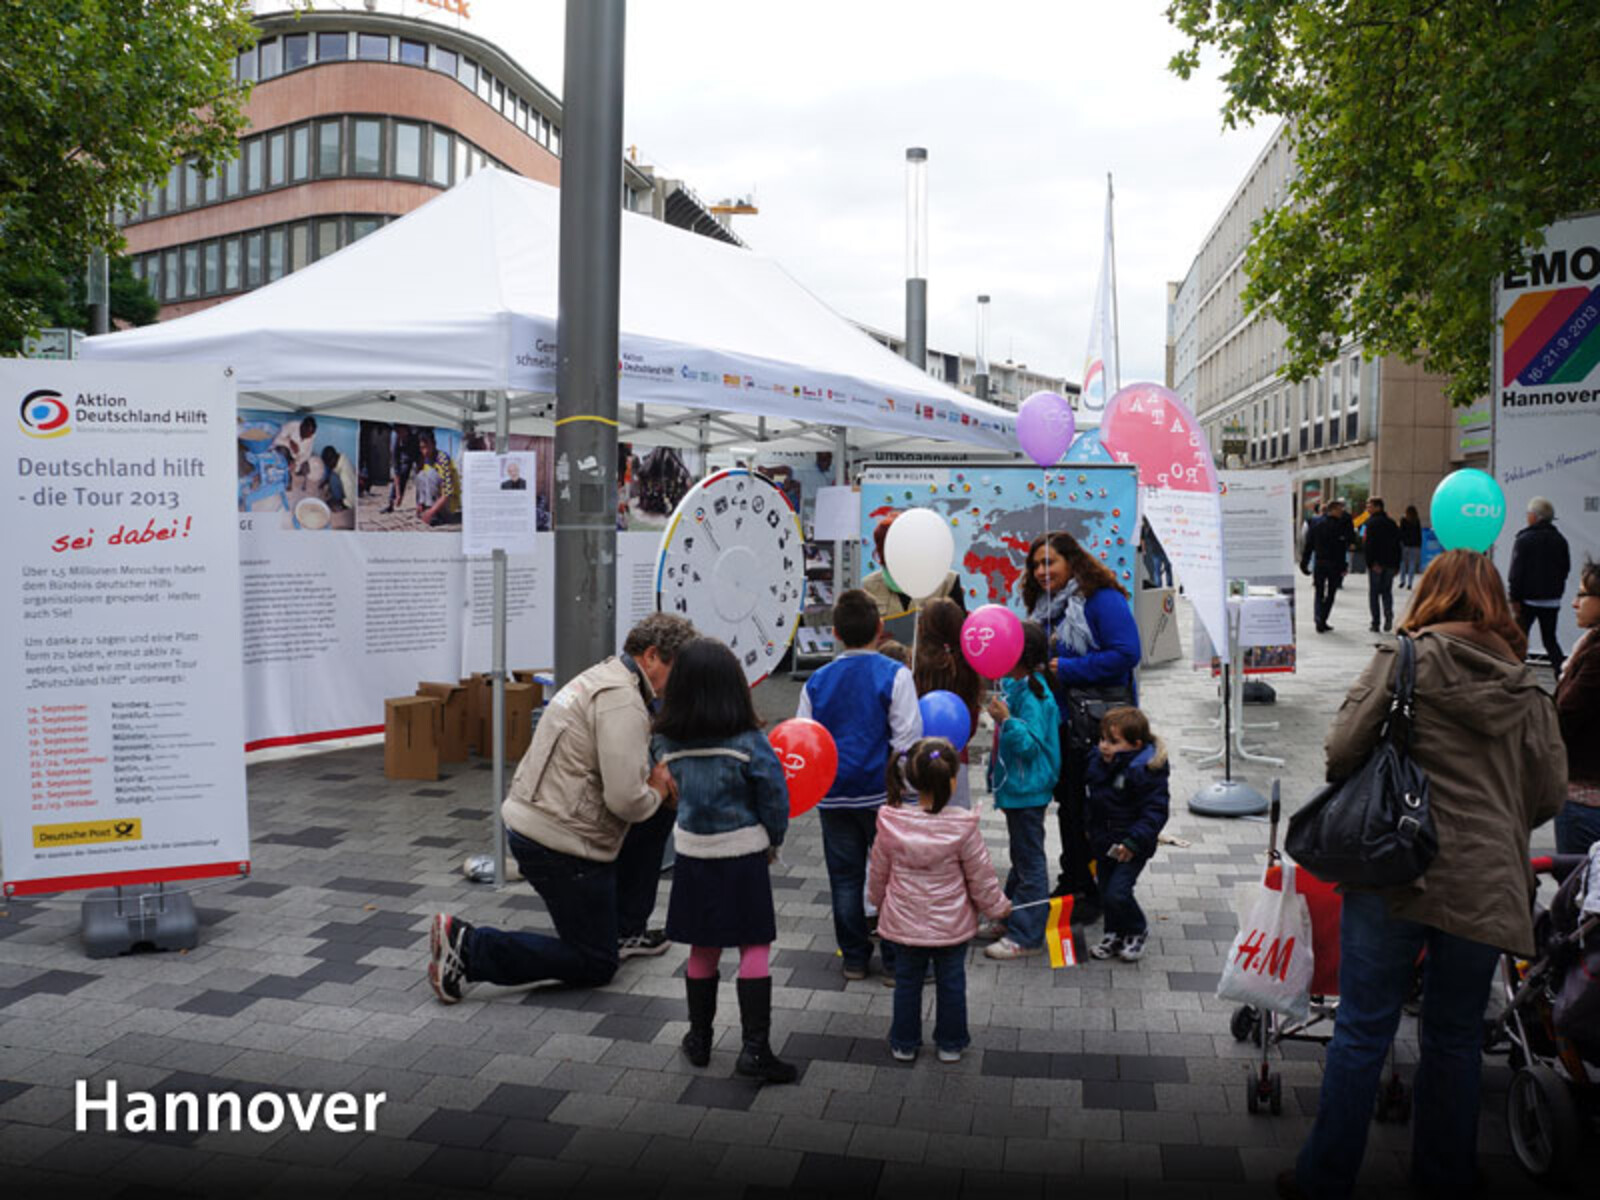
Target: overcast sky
1023,107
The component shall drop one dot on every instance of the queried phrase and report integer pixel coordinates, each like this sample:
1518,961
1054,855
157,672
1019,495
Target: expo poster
1547,395
127,728
1258,525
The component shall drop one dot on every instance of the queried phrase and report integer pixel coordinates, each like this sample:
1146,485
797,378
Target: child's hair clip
933,754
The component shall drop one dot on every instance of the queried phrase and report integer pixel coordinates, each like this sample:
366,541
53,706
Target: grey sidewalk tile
796,1132
888,1145
1043,1155
454,1167
738,1128
539,1139
611,1148
764,1166
590,1111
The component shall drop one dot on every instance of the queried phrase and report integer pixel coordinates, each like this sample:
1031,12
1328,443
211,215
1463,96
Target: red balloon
810,761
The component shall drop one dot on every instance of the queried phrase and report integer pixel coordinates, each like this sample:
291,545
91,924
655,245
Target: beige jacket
582,782
1488,739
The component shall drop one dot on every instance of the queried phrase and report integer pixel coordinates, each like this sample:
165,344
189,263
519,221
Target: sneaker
903,1055
1005,948
1108,947
447,970
989,930
949,1056
1132,948
643,945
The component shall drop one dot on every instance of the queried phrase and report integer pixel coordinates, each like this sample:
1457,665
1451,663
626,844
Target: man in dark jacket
1327,545
1383,560
1540,564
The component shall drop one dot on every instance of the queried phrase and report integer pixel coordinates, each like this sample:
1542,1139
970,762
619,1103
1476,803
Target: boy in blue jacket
868,702
1127,809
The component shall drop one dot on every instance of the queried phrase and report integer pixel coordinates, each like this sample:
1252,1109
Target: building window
407,150
327,236
299,245
253,179
497,100
332,46
191,271
544,131
296,51
368,146
191,186
413,53
485,87
277,152
276,247
152,275
230,265
271,53
232,177
374,47
522,115
169,273
247,65
300,153
555,141
463,160
213,188
213,268
329,144
444,60
361,226
252,260
467,74
439,158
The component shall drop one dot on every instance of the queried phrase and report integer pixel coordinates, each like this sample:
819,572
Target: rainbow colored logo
44,414
1550,337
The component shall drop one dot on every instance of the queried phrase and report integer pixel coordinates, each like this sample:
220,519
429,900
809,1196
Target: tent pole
841,478
586,324
502,436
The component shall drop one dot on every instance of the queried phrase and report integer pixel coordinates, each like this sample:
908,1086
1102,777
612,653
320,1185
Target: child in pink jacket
929,868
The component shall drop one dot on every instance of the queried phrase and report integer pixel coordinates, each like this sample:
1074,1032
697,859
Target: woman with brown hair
1578,706
1094,648
1486,736
937,665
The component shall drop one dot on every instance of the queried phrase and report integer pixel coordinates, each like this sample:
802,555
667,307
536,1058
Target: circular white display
733,561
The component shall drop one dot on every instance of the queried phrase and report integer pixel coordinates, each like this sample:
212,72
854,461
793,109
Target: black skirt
721,901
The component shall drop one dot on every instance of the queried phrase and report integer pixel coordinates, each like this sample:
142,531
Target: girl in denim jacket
1022,775
733,810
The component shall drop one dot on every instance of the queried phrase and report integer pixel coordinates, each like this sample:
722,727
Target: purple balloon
1045,425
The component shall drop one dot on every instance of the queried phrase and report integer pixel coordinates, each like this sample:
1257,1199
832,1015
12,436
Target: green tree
98,98
58,295
1433,142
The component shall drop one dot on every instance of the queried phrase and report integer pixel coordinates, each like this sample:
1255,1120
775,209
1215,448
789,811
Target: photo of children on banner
299,469
411,477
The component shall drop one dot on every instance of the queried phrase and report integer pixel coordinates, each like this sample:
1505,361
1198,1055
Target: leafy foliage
1433,142
99,98
59,298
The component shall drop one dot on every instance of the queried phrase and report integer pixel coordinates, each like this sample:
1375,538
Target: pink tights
753,961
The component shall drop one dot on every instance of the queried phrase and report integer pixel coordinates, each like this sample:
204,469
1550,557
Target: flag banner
1147,425
1058,933
1100,375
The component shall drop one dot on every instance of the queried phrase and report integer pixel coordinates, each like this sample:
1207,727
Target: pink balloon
991,640
1045,425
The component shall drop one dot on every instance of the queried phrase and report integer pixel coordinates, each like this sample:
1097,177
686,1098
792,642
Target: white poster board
837,514
1547,395
498,502
1258,526
125,739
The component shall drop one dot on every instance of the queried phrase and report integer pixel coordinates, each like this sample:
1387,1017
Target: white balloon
918,551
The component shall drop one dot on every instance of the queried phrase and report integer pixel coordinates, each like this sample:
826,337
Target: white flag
1101,378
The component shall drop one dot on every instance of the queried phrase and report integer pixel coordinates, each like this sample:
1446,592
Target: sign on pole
125,737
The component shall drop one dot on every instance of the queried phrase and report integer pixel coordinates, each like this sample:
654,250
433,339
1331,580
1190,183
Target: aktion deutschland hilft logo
44,415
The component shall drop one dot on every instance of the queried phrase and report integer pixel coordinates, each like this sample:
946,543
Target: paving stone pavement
1100,1080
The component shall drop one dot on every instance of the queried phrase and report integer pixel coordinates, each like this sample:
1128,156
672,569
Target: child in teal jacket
1022,775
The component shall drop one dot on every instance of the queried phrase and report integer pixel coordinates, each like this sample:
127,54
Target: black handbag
1375,829
1087,706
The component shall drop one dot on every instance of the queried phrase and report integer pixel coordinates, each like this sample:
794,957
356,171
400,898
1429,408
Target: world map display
995,513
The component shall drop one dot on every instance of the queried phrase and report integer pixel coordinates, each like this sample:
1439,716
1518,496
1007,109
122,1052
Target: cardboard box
411,726
520,699
453,735
480,698
541,694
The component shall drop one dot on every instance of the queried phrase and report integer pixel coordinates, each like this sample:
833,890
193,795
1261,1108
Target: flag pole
1116,331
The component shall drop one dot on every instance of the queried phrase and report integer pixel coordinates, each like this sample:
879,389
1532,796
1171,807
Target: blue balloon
945,716
1468,510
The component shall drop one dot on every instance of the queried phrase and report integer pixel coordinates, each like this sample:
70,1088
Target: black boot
702,1008
756,1060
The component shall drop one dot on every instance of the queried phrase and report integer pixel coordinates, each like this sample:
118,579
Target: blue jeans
1577,828
847,835
1029,877
582,898
1380,593
1122,912
1379,958
950,996
639,870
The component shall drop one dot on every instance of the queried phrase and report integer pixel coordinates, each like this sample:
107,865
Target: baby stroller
1269,1029
1550,1029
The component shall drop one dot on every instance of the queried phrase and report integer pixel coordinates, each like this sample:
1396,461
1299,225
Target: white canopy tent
456,302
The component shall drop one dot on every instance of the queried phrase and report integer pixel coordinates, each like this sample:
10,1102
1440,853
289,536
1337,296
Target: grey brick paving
1103,1080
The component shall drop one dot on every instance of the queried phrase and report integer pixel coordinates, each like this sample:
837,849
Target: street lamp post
917,256
980,375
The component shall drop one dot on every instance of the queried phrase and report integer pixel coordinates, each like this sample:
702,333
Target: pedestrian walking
1540,564
1326,559
1410,546
1384,553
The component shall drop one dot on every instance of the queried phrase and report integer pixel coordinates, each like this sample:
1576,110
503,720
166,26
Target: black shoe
1373,628
756,1060
702,995
1388,624
643,945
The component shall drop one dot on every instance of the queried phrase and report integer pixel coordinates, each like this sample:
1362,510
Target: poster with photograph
651,481
411,477
499,502
1258,526
298,471
125,721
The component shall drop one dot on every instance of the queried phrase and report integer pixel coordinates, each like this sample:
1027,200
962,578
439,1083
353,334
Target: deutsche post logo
44,414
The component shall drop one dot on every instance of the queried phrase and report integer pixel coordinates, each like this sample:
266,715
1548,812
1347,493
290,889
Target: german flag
1058,933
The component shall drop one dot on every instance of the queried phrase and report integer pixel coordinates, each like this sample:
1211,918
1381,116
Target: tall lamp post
917,256
980,375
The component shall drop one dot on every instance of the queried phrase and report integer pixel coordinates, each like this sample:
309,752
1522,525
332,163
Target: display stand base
143,915
1228,798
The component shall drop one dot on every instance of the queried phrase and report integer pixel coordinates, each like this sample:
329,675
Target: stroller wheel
1244,1023
1543,1122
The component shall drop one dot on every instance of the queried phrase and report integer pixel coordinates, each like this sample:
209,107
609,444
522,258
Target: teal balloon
1468,510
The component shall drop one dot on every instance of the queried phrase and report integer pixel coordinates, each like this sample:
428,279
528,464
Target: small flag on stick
1058,933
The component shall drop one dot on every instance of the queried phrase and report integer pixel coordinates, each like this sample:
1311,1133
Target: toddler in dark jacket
1127,809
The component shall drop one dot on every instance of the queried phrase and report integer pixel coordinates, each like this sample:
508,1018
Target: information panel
125,739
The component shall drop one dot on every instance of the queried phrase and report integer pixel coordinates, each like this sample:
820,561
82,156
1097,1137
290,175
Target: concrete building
1361,427
1010,383
356,118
